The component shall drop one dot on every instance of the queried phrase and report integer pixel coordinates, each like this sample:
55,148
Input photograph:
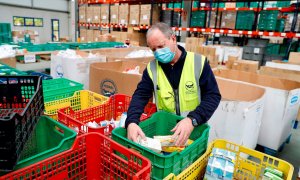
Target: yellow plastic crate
80,100
245,168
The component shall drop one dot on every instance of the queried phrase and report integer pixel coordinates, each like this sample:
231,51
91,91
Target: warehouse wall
7,13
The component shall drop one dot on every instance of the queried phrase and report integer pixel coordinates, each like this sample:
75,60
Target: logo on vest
190,87
108,87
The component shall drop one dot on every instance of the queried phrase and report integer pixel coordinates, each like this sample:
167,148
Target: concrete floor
291,151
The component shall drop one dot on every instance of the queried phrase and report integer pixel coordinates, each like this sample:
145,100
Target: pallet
23,62
46,57
273,152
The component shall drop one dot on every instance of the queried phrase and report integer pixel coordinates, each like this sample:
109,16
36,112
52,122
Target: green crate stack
284,46
241,4
280,25
255,4
5,33
221,5
273,49
283,3
7,70
174,5
272,4
198,19
195,4
268,20
245,20
161,123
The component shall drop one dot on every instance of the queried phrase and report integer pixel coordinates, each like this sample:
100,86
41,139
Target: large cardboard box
108,78
90,35
10,61
83,35
281,105
82,14
114,14
96,35
104,14
283,65
245,65
228,19
134,15
213,18
89,14
139,37
121,54
96,14
192,43
124,14
145,14
74,68
239,114
294,58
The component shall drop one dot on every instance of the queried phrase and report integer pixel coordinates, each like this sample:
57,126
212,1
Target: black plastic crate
21,104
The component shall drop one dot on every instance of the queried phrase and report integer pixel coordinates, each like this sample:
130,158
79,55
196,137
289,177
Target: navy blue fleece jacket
210,94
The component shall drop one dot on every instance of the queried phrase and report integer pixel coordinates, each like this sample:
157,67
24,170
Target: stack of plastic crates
21,104
80,100
113,108
249,164
161,124
93,156
7,70
60,88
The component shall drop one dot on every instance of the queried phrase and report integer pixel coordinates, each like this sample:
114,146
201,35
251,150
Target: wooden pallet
46,57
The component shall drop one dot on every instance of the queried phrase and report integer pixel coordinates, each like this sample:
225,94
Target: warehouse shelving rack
290,35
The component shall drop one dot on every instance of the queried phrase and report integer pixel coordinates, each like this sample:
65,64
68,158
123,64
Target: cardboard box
281,105
108,78
156,13
145,14
114,14
192,43
10,61
124,14
89,14
145,7
76,69
294,58
134,15
104,14
106,38
283,65
245,65
232,51
137,36
230,5
228,19
89,35
83,35
214,15
18,33
241,107
96,35
231,60
82,14
96,14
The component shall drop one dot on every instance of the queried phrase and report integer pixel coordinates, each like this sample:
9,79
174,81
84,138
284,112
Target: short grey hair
163,27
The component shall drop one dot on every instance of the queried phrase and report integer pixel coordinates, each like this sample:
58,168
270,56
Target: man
180,80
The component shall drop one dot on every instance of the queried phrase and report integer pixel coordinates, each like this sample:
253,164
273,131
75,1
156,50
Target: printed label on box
145,17
28,58
114,16
96,17
122,21
103,17
133,22
89,20
256,50
81,16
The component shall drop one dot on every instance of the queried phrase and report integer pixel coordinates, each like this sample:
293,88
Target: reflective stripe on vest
187,90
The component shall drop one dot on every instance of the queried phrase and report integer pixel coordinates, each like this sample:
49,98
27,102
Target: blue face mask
164,55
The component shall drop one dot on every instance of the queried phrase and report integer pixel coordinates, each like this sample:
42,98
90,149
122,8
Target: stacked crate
245,20
198,19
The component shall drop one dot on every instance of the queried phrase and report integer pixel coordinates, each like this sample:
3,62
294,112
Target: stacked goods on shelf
114,14
219,5
96,34
93,156
253,167
272,53
96,14
193,44
198,19
21,99
123,14
241,107
273,4
83,35
161,123
104,14
289,22
145,14
167,17
89,35
82,14
89,14
228,19
270,21
5,33
213,19
134,15
255,50
279,113
245,20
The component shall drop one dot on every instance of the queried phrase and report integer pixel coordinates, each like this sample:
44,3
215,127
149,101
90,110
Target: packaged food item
150,143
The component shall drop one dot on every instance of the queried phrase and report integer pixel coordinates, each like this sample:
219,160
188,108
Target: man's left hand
182,131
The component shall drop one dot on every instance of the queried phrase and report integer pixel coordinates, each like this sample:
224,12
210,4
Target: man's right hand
133,131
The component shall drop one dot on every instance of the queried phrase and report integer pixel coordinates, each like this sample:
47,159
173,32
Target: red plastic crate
93,156
115,106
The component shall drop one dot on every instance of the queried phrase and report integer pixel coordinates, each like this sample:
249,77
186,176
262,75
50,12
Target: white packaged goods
294,67
281,106
139,53
7,51
74,65
238,117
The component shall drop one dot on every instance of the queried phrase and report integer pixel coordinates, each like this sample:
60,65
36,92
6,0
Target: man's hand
182,131
133,131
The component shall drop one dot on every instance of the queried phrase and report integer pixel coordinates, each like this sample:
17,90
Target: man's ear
173,38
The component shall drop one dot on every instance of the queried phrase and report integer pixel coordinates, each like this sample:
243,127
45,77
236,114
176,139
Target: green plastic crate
221,5
195,4
21,58
55,89
48,138
7,70
241,4
161,123
245,20
273,49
